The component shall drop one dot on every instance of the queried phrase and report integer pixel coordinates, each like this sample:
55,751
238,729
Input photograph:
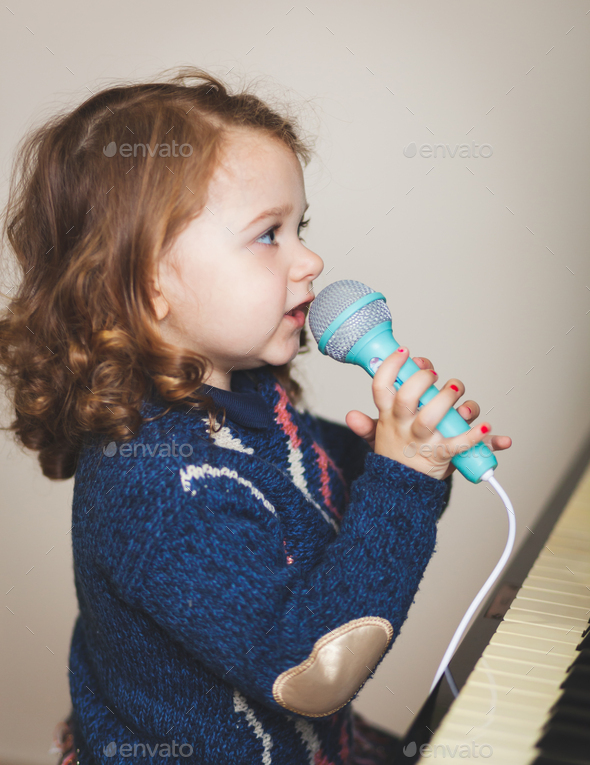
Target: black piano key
578,679
570,716
583,657
547,759
570,698
566,740
574,698
585,642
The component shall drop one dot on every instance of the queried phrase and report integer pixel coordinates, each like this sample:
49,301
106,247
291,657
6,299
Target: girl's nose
316,264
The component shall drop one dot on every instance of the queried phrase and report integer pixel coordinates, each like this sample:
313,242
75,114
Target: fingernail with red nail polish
470,412
433,372
401,350
484,428
454,387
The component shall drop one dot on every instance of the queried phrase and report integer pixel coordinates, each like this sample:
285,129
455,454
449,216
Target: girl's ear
159,302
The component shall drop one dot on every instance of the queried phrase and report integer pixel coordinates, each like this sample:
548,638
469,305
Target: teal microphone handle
379,343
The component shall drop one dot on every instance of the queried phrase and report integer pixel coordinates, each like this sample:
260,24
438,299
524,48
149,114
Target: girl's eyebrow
283,210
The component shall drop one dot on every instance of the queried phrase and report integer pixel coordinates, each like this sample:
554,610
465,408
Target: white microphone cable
489,477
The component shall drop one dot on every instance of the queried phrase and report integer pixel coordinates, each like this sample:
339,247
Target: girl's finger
498,443
361,424
408,397
469,410
464,441
495,444
422,362
433,412
384,392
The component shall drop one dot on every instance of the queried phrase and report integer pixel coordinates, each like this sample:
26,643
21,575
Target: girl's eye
303,224
271,233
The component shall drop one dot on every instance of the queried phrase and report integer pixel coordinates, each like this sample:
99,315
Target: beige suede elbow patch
337,667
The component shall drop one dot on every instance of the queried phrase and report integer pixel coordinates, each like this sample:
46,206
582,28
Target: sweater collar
244,404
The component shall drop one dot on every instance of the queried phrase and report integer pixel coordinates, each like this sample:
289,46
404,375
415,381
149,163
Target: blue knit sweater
236,589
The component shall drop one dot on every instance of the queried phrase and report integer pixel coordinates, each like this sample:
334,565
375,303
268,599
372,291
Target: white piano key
573,540
561,598
501,717
566,624
578,613
485,691
516,737
501,707
502,754
574,526
541,645
505,682
581,567
553,549
561,574
556,585
546,632
524,669
574,517
528,656
578,508
502,743
567,550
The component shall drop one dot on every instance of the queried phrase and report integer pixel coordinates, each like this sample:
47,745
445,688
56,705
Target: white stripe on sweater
223,437
297,470
205,470
309,736
240,705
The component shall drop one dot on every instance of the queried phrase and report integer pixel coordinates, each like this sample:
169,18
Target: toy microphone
351,323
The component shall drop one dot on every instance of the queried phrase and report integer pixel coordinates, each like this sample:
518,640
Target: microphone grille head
331,302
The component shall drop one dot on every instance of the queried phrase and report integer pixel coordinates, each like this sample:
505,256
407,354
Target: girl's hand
366,427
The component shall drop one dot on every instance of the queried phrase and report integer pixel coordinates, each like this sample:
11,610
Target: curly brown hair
80,346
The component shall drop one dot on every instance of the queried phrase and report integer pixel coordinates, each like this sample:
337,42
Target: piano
522,672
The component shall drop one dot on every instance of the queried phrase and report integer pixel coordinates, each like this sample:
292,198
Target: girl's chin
283,356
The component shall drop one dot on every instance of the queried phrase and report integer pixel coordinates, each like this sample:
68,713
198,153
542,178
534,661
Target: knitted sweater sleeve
349,450
207,564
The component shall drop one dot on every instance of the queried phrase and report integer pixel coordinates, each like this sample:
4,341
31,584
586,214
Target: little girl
238,581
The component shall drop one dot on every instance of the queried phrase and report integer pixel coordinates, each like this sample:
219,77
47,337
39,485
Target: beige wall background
483,260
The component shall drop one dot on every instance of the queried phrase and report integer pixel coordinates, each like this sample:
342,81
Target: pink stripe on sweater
284,418
324,462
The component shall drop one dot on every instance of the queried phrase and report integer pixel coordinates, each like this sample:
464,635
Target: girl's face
240,265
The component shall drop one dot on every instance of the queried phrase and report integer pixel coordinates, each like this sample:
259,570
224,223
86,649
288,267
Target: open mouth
298,315
304,307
